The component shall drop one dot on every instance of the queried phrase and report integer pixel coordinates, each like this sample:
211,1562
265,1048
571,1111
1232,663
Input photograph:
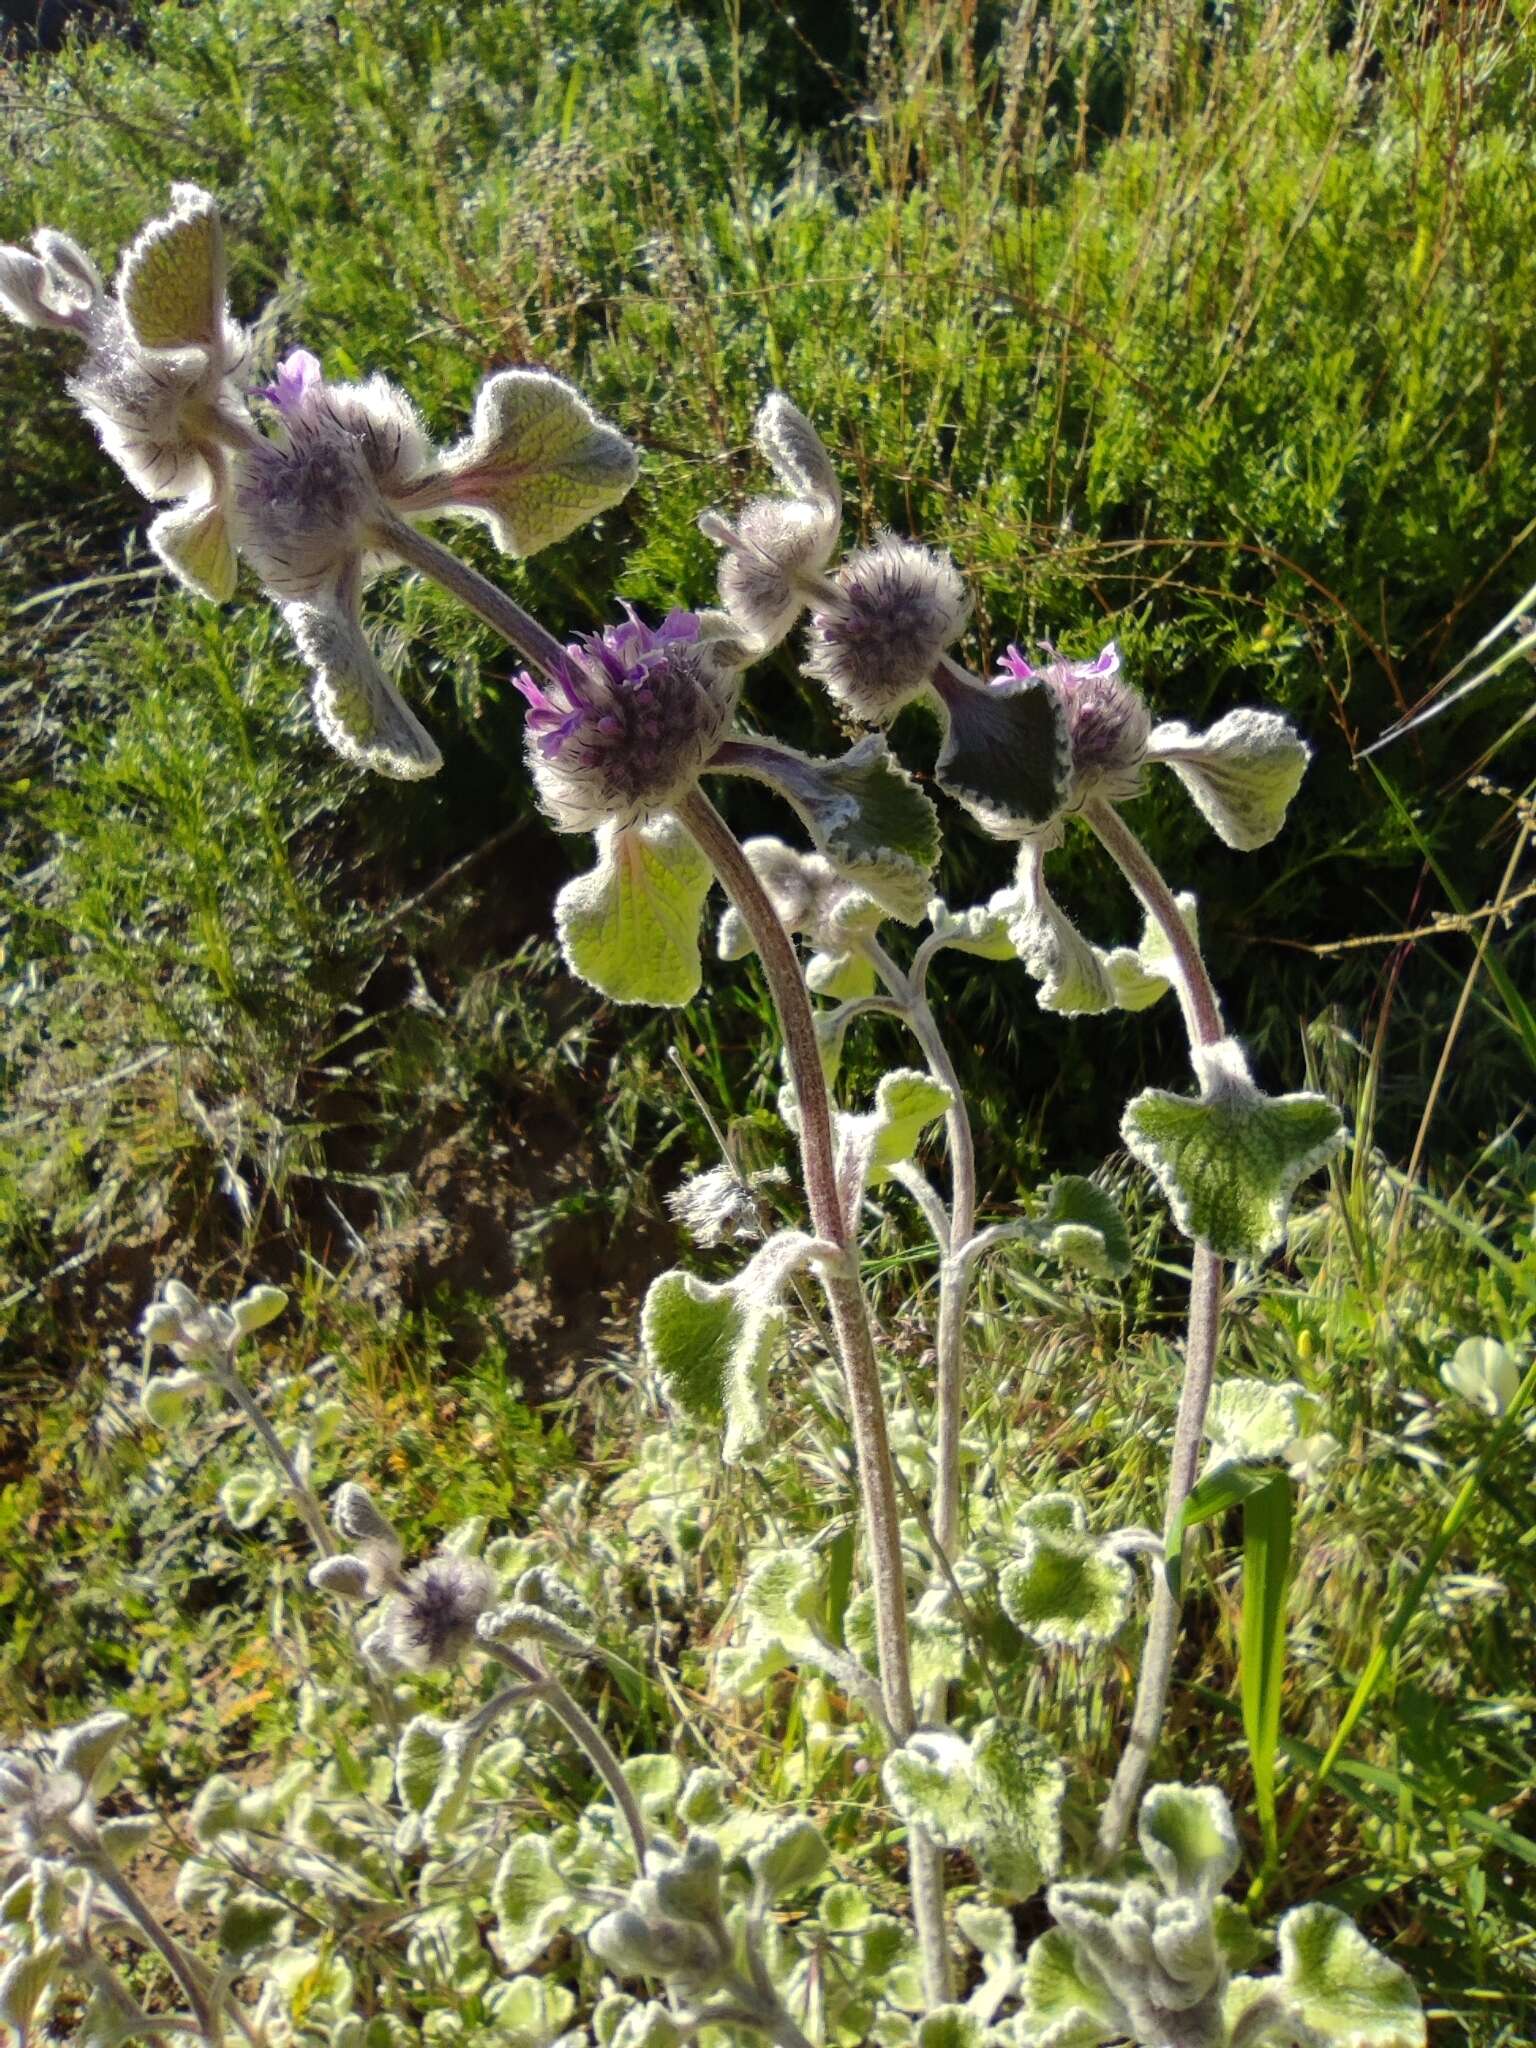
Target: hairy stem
845,1295
1163,1621
503,614
851,1327
578,1723
189,1973
1197,997
304,1497
954,1273
1202,1022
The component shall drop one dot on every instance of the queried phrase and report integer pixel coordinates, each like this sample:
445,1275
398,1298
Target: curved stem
1197,997
503,614
189,1974
1202,1022
845,1295
954,1273
304,1497
579,1724
851,1326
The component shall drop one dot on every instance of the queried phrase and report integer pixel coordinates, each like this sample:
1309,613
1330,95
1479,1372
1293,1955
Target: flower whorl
897,607
634,714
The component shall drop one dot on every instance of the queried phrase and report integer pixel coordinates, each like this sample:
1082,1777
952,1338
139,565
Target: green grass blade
1266,1578
1211,1496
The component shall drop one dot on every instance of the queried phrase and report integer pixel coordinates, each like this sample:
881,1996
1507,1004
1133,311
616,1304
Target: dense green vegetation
1205,329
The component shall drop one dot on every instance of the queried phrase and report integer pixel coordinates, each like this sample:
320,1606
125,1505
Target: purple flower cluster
628,721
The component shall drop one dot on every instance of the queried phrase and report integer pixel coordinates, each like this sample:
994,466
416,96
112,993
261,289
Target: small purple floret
297,374
629,719
606,683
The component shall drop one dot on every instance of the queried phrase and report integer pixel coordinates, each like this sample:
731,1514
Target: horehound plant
673,1881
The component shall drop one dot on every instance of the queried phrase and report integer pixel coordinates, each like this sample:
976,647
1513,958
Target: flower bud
631,719
776,550
195,1334
431,1621
638,1940
899,606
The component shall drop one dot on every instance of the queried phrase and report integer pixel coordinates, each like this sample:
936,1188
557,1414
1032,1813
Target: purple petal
298,373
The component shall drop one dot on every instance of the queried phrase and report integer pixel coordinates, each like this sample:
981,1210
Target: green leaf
1142,976
786,1598
1072,972
931,1783
1255,1422
1021,1785
936,1638
252,1922
656,1778
981,930
1266,1578
532,1902
1005,754
1242,774
841,977
537,463
688,1886
647,2026
1065,2002
710,1345
990,1931
87,1746
630,928
844,1908
1221,1488
253,1311
1084,1225
952,2026
1345,1990
1229,1161
247,1496
1062,1513
998,1795
791,1857
123,1837
23,1980
1066,1591
530,2012
703,1801
167,1396
1187,1836
865,813
420,1755
171,286
906,1103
